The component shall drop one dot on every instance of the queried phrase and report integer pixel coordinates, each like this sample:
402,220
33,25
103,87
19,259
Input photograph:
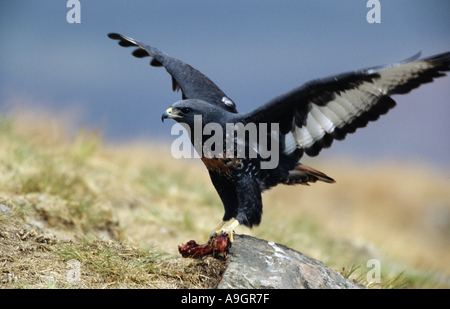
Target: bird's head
185,112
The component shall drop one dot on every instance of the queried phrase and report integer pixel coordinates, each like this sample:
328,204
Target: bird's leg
226,227
218,228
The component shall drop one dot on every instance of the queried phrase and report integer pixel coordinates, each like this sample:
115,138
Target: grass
117,264
363,277
107,203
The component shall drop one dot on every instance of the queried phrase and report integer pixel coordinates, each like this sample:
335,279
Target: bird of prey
309,118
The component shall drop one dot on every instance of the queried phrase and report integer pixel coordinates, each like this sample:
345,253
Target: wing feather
327,109
192,83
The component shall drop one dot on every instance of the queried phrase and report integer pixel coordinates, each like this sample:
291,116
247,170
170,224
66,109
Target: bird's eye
185,110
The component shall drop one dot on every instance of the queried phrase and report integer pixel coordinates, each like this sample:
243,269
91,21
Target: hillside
118,212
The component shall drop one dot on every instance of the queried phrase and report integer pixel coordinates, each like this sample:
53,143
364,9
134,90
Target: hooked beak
168,114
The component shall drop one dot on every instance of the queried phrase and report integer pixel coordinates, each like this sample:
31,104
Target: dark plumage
310,117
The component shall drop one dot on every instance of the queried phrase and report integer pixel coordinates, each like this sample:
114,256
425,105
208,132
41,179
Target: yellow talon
226,227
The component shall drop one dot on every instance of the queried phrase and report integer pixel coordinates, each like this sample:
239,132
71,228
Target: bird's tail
303,174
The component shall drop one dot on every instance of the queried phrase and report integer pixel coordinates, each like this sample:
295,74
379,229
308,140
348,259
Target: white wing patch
303,138
351,104
345,108
351,109
399,74
228,102
325,119
339,111
315,130
289,143
329,114
321,119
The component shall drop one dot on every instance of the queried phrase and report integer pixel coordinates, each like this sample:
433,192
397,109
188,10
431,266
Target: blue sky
253,50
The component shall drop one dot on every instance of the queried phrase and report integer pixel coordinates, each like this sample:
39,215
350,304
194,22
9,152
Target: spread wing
313,115
192,83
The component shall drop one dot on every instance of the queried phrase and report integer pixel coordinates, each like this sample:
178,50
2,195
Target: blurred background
391,200
253,50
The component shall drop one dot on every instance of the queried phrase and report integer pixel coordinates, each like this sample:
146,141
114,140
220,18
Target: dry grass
106,203
29,259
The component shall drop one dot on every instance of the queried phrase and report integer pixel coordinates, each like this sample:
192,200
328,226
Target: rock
257,264
4,209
